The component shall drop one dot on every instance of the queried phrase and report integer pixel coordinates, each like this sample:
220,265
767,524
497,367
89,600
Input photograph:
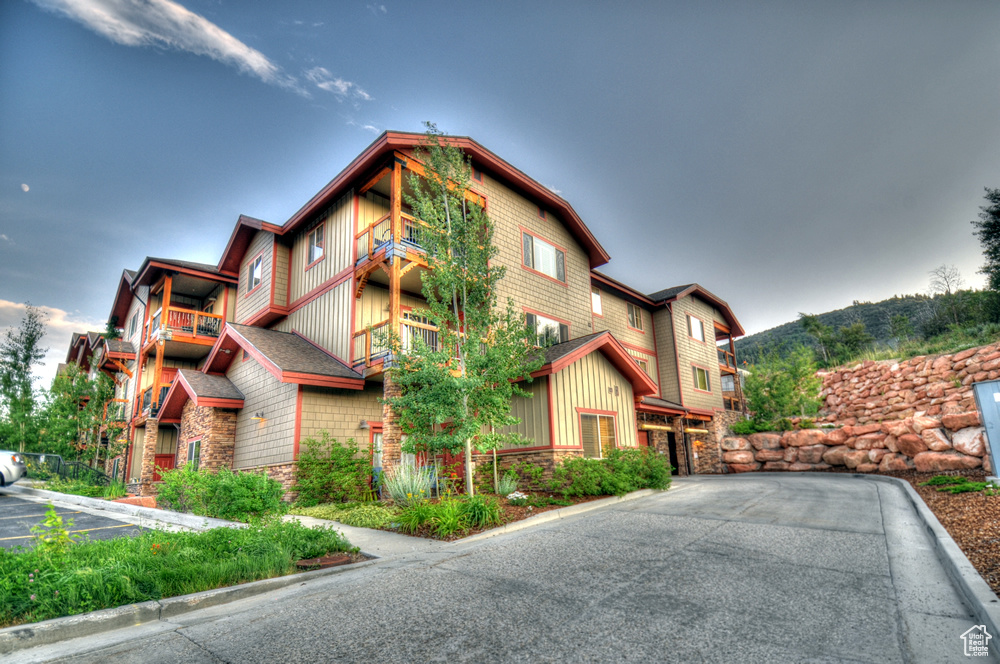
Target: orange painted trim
315,293
323,381
220,403
298,423
274,264
211,276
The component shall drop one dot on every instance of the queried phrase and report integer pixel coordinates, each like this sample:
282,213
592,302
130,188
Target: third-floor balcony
374,343
727,360
180,324
370,241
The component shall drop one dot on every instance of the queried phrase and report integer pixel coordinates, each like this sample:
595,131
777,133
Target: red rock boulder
935,440
738,456
744,467
911,444
935,462
766,441
961,420
811,453
971,441
769,455
835,455
803,438
732,444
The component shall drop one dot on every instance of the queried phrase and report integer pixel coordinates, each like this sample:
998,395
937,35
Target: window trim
628,322
594,290
250,263
322,244
533,312
190,443
694,378
133,325
580,412
691,317
477,174
535,236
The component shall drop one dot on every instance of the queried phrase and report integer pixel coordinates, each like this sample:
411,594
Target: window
254,273
701,381
315,244
548,330
728,383
597,433
595,302
696,329
194,453
543,257
133,324
643,364
634,316
477,174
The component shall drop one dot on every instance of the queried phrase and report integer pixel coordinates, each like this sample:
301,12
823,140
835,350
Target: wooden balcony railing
732,402
146,406
185,322
372,238
726,358
116,410
373,343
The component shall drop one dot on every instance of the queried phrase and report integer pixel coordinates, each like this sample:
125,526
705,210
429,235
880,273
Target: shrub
449,518
482,511
75,487
622,471
236,496
507,484
369,515
532,473
328,471
406,483
415,515
517,499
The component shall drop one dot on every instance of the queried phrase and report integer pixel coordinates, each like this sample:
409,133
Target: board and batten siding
669,386
651,362
135,456
338,241
371,207
373,307
281,259
533,413
592,383
340,412
691,352
271,440
166,440
326,321
248,305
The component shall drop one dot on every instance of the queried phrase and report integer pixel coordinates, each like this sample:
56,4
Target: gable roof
240,239
390,141
677,292
559,356
289,357
123,299
204,389
150,267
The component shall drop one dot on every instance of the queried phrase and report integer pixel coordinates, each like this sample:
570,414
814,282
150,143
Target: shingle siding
271,440
692,352
246,306
340,412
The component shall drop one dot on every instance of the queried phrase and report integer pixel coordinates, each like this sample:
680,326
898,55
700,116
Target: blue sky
788,156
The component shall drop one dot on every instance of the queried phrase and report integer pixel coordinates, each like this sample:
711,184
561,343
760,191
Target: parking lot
17,516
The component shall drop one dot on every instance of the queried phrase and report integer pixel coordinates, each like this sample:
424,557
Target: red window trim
599,294
593,411
477,174
708,379
688,325
569,326
525,231
628,324
322,245
249,277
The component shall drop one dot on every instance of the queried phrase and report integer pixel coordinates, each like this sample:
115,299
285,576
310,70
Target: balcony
146,407
727,360
369,241
374,344
116,410
183,324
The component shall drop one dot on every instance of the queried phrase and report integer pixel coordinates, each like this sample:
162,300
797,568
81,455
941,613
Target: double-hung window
255,272
634,316
547,330
701,381
696,329
315,244
194,453
543,257
597,433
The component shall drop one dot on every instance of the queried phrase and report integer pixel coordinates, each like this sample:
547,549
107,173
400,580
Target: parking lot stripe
85,530
29,516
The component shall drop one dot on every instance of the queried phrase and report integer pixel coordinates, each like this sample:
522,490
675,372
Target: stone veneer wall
888,416
216,428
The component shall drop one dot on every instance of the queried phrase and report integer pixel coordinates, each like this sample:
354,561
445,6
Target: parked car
12,467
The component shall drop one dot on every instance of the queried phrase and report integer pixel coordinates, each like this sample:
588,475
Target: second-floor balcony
116,410
180,323
372,239
374,343
146,405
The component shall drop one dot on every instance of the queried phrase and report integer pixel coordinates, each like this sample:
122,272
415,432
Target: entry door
162,462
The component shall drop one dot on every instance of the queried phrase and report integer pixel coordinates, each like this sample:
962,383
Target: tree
988,232
900,327
64,417
783,387
20,351
824,335
946,279
456,393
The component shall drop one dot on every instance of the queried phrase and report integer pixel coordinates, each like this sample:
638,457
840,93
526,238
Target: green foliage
988,231
955,484
361,515
531,473
415,515
20,351
482,511
807,423
407,483
102,574
747,427
328,471
778,387
943,480
236,496
75,487
622,471
52,536
449,518
507,484
470,377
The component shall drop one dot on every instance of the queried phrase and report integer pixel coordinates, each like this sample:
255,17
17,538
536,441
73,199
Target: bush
407,483
778,387
532,473
507,484
370,515
75,487
622,471
235,496
482,511
329,472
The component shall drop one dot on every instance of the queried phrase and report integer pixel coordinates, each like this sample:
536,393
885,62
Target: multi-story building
287,336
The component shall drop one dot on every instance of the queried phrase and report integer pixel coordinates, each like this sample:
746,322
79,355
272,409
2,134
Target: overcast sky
788,156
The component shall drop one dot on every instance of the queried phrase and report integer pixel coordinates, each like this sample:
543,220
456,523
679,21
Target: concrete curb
164,516
47,632
553,515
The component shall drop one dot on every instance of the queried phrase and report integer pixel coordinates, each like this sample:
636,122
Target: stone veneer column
219,445
391,432
148,458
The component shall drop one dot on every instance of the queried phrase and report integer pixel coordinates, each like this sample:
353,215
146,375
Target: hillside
875,315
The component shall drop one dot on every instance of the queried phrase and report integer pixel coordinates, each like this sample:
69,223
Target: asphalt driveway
765,568
17,516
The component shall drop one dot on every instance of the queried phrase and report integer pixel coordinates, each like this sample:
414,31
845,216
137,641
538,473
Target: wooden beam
375,179
396,212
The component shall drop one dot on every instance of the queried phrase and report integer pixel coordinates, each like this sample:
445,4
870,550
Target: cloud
377,9
59,328
324,80
167,24
5,239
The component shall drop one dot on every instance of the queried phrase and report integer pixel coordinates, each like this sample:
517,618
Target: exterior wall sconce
258,416
364,425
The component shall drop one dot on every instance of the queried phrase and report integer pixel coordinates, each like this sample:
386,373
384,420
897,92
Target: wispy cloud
59,328
377,9
5,239
167,24
324,80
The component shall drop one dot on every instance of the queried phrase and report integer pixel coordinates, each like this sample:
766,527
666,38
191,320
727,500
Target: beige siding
246,306
282,258
325,321
649,359
371,207
534,414
373,307
268,441
338,244
669,387
166,440
149,370
591,383
135,461
340,412
615,320
692,352
571,303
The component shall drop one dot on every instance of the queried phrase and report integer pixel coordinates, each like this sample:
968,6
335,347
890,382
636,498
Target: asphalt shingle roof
292,353
210,386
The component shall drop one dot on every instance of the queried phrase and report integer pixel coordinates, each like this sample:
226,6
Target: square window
634,316
543,257
547,330
255,271
696,329
701,381
315,244
597,433
595,302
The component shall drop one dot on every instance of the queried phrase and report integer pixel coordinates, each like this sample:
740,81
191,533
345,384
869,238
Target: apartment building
235,364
